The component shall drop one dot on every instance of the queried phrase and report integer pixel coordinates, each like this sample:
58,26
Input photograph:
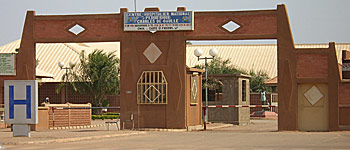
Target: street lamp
213,52
71,65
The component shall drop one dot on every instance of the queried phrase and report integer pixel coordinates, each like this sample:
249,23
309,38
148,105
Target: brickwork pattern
250,24
114,101
49,89
69,117
103,27
344,93
255,99
312,66
344,113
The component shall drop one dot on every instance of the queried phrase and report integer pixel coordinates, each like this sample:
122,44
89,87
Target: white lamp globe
71,64
198,52
60,64
213,52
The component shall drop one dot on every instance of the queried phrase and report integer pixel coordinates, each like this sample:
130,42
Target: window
194,89
152,88
244,90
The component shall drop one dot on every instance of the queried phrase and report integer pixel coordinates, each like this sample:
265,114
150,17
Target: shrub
112,113
93,117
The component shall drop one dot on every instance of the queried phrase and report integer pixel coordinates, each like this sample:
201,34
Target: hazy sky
312,21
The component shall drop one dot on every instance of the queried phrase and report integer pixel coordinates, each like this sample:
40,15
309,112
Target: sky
312,21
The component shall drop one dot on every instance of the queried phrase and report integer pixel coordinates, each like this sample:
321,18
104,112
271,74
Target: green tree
219,66
97,75
257,81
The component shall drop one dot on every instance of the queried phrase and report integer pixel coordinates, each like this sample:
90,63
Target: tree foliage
97,75
219,66
257,81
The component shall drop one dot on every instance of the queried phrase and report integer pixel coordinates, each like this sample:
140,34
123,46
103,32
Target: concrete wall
43,119
313,117
243,113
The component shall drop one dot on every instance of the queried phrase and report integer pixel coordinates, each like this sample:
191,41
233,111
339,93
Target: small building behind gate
235,91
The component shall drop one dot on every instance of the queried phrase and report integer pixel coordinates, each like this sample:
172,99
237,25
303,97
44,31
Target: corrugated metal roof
10,47
272,82
90,47
43,74
50,54
248,57
253,57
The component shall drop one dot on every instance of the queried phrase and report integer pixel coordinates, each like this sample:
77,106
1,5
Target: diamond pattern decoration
194,89
231,26
313,95
152,53
76,29
151,88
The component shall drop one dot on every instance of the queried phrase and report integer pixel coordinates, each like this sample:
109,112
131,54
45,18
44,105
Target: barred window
152,88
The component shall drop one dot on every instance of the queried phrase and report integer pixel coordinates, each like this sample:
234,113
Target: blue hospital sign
21,101
159,21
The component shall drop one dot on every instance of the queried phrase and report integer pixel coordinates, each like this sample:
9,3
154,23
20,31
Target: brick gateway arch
296,72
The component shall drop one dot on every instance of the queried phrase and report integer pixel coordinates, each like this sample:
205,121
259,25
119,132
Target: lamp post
61,65
135,4
213,52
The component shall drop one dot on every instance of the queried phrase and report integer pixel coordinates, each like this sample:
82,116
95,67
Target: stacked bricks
68,117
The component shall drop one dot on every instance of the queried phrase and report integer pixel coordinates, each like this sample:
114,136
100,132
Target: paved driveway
260,135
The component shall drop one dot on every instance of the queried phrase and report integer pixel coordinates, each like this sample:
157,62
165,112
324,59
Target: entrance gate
295,66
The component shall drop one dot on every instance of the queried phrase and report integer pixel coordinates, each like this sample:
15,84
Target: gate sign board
159,21
7,64
21,101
